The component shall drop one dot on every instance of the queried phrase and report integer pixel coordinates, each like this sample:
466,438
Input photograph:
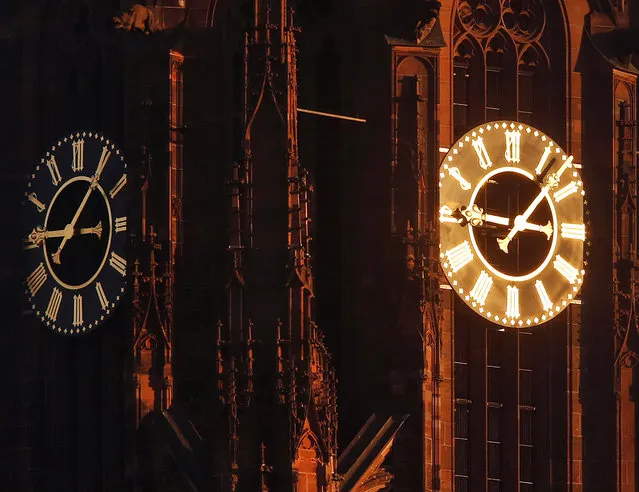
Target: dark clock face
75,233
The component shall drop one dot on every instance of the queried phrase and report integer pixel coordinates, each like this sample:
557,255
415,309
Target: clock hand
542,174
35,238
476,216
552,181
39,234
521,220
97,230
71,225
546,229
92,186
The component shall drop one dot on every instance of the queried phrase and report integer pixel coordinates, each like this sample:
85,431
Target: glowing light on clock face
478,249
511,223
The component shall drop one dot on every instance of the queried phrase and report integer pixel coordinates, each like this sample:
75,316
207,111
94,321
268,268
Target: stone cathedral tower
213,374
272,363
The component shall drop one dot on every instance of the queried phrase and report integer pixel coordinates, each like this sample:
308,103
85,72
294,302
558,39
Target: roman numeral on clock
567,164
543,295
78,156
512,301
463,183
543,159
482,288
118,263
446,214
482,153
566,191
34,199
459,256
120,224
118,186
77,310
573,231
54,304
36,279
104,302
513,149
566,269
55,172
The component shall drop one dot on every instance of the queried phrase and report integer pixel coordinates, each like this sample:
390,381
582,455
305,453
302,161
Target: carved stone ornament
524,20
138,18
423,29
628,360
428,21
479,17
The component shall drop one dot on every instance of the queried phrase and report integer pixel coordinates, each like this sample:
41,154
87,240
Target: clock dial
511,223
75,233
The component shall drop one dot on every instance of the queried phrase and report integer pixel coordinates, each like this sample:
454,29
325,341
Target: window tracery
501,70
500,50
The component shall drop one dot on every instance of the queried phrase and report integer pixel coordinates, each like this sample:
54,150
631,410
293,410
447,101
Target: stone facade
265,238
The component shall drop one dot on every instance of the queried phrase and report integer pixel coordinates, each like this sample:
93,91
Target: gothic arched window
500,56
468,85
501,82
533,101
502,69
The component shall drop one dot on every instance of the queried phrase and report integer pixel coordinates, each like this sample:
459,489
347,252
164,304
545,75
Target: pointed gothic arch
309,466
505,34
468,66
533,102
501,76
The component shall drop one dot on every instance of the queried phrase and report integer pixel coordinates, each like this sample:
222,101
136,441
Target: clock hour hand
546,229
542,174
39,234
475,216
97,230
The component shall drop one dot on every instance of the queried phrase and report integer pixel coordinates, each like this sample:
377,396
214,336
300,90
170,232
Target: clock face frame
511,223
75,233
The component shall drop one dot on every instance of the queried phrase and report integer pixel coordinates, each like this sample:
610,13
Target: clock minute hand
542,173
521,220
71,225
94,183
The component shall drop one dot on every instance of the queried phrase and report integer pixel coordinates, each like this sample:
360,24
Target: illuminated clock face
75,233
511,223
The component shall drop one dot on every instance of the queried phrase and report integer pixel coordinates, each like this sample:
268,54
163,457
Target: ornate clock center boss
511,223
75,233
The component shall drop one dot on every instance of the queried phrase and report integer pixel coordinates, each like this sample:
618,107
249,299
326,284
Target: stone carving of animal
138,18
